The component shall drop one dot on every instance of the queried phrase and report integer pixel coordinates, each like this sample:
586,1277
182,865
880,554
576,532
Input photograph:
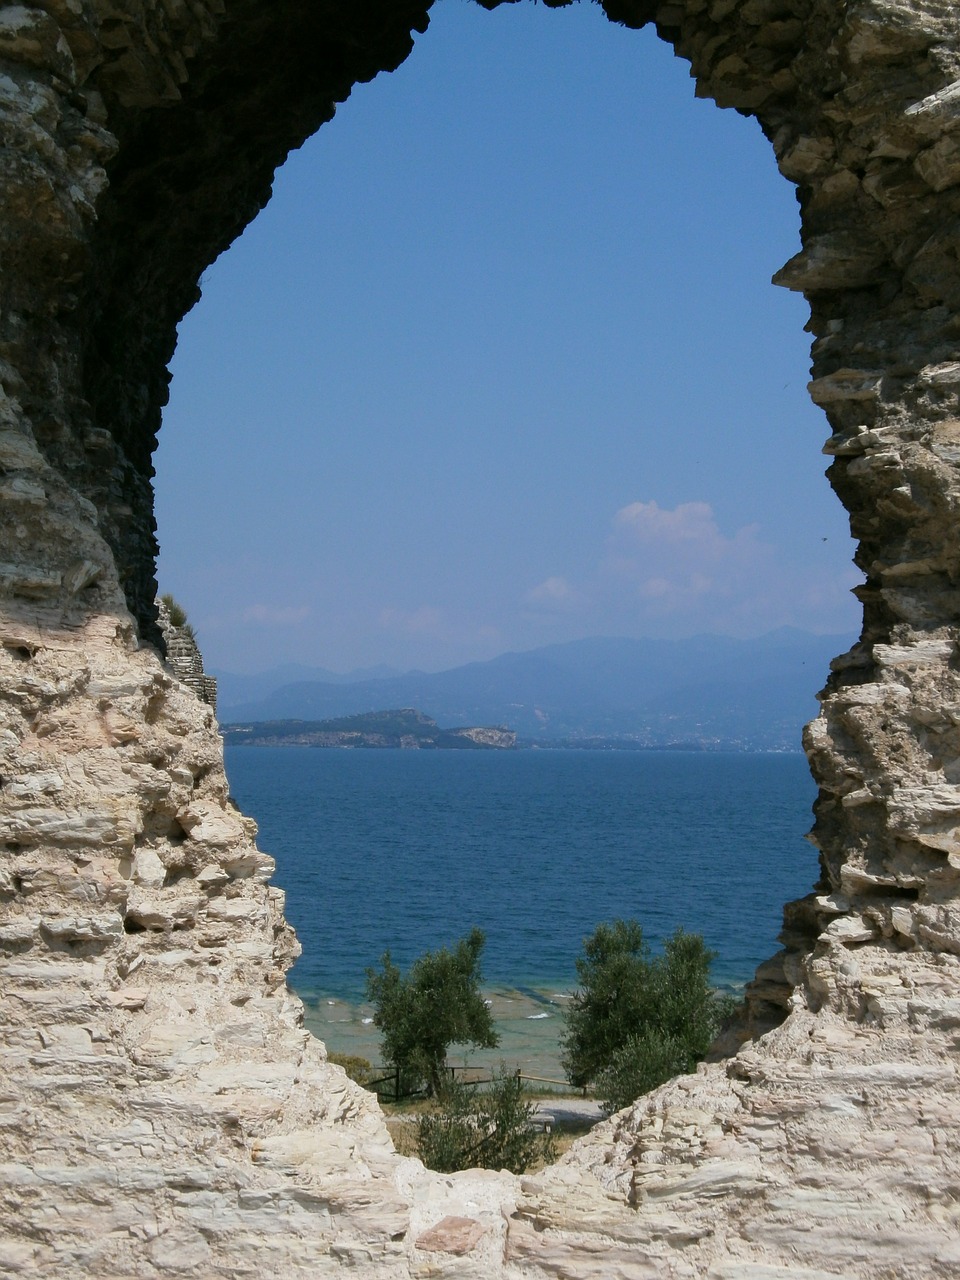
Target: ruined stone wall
162,1111
184,657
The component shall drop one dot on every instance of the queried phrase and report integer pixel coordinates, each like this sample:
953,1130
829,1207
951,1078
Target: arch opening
323,449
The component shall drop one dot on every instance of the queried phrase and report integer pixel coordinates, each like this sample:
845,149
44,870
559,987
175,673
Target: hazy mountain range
754,693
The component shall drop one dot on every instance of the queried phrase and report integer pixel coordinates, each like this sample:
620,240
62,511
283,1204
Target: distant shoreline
529,1022
405,729
630,744
303,733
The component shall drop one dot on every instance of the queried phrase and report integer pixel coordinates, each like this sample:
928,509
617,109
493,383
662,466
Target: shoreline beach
528,1019
529,1022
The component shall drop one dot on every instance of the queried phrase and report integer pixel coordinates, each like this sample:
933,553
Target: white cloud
426,620
673,561
552,593
674,571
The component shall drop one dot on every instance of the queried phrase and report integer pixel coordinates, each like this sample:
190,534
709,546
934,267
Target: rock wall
162,1111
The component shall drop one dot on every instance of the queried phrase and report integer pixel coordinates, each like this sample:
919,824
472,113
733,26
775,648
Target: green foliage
405,721
437,1004
494,1129
610,1000
647,1059
636,1019
357,1068
177,613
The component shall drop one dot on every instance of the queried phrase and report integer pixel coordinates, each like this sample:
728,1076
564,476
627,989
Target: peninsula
406,729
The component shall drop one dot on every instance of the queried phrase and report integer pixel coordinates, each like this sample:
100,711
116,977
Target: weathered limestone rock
162,1110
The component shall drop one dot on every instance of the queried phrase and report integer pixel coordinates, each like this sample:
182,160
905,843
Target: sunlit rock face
163,1111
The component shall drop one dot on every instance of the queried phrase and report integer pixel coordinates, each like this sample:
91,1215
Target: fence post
396,1085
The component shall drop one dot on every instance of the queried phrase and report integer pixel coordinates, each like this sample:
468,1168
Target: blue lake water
407,850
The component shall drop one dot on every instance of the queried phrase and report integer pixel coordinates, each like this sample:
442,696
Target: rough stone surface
162,1110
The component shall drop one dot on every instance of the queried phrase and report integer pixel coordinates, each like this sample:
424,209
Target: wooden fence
469,1075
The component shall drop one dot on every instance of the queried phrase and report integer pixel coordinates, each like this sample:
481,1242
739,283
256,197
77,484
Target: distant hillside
754,694
406,729
235,690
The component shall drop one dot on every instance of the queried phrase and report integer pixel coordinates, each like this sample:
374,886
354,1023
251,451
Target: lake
407,850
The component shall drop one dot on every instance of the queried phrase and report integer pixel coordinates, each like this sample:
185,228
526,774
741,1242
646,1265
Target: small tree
437,1004
636,1020
494,1129
647,1059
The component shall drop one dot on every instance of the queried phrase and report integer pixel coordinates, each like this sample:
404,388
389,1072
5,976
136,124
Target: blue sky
501,365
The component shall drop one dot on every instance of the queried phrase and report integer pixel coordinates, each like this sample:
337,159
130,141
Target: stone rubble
162,1110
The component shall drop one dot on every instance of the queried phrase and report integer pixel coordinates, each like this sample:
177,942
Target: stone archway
164,1111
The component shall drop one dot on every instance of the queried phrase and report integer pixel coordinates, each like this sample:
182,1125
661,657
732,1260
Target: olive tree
437,1004
637,1019
493,1128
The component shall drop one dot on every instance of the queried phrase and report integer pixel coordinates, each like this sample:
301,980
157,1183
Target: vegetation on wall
177,615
